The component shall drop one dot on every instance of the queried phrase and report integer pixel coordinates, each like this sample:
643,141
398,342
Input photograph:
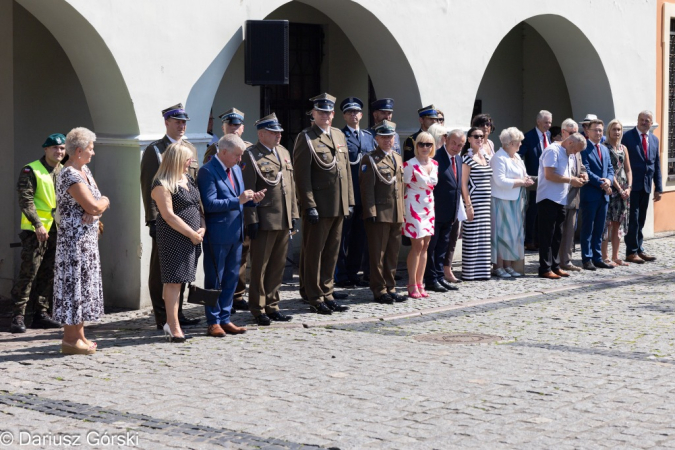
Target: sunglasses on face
477,136
425,144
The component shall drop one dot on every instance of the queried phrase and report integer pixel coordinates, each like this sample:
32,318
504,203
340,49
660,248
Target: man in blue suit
595,196
353,246
536,140
446,195
645,163
221,188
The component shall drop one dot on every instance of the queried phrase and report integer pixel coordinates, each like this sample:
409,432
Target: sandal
423,291
619,262
80,348
414,292
610,263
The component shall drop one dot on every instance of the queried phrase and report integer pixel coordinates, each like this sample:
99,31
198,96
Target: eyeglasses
477,136
595,130
424,144
440,120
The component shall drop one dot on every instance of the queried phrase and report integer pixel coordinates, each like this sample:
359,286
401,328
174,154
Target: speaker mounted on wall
266,52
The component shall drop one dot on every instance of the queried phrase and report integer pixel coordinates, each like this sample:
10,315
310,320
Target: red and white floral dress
419,199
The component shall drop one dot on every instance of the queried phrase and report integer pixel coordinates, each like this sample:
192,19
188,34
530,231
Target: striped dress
476,252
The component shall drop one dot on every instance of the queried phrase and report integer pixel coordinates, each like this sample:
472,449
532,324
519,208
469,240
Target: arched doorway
63,76
544,62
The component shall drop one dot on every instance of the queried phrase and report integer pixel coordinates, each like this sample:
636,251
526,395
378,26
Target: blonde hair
426,137
438,131
611,124
79,137
173,161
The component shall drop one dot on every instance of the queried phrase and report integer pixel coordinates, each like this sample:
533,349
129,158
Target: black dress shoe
340,295
335,307
348,284
385,299
397,298
588,265
278,317
320,308
18,325
448,285
185,322
263,320
43,321
241,305
602,265
435,286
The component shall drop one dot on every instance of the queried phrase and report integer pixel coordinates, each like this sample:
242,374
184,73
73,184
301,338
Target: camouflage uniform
37,258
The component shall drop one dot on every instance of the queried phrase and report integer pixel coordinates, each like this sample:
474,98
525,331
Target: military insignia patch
243,166
363,168
26,170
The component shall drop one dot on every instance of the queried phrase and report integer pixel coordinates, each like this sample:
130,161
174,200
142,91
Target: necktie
644,145
545,141
454,166
393,160
229,175
599,152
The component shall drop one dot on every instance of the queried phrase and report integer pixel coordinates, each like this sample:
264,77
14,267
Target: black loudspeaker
266,55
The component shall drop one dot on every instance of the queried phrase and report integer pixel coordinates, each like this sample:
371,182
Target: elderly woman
78,291
476,179
617,210
180,229
485,123
509,180
420,175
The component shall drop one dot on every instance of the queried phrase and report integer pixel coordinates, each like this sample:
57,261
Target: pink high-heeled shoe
413,293
423,292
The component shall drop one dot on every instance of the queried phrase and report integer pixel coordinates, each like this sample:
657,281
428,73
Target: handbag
205,297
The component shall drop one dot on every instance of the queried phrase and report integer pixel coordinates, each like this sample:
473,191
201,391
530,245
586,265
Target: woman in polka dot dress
180,229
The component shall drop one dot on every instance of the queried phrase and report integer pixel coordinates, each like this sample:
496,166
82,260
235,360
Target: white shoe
513,273
501,273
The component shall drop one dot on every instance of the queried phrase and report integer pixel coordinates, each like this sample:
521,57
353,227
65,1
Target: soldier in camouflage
37,200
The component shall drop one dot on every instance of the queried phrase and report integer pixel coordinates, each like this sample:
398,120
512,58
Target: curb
488,301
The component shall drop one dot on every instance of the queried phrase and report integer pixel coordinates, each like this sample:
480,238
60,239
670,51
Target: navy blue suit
645,171
530,151
446,197
224,234
593,201
353,248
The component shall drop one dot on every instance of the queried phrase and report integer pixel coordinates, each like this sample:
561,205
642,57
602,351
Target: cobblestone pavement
585,362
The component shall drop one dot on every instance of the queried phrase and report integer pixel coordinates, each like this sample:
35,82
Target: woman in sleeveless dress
476,193
420,175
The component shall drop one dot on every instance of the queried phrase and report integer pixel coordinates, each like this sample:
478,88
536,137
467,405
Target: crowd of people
357,196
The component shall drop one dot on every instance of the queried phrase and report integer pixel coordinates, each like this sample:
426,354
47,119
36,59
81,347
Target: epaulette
368,132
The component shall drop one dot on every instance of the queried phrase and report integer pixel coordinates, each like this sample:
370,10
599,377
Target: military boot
43,321
17,325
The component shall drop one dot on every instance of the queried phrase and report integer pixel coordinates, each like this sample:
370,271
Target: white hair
79,137
576,138
438,132
647,112
543,113
456,132
569,123
230,142
510,135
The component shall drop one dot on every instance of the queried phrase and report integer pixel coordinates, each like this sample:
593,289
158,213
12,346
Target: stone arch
578,80
375,44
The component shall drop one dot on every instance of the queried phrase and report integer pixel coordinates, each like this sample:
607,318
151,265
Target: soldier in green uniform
175,121
428,116
37,200
324,184
267,166
233,123
382,191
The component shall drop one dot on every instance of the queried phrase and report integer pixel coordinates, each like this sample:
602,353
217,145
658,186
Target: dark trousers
551,216
452,243
320,243
531,224
268,261
637,214
36,275
352,247
241,284
593,215
156,288
384,240
437,251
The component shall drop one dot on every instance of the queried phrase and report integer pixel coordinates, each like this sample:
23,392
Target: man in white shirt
552,189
